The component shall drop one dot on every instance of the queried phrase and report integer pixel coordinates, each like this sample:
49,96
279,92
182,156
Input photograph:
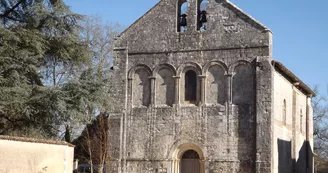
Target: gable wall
224,130
227,28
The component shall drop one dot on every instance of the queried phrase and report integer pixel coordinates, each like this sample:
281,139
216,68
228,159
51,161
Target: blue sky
300,28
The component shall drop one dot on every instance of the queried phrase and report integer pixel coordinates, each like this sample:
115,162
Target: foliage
320,122
92,146
19,11
47,76
100,38
320,131
321,165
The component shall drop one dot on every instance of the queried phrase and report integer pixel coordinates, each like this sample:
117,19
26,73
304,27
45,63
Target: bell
203,18
183,20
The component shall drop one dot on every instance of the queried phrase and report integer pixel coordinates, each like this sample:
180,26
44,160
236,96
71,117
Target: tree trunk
100,168
90,153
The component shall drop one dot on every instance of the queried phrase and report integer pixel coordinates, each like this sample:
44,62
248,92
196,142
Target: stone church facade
195,89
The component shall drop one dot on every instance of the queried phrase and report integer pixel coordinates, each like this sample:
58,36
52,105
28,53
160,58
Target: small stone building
196,90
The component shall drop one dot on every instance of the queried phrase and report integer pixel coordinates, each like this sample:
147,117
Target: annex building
195,89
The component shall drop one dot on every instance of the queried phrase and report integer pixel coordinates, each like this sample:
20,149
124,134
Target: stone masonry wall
151,121
290,133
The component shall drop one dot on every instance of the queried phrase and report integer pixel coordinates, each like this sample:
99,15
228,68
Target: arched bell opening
202,15
182,11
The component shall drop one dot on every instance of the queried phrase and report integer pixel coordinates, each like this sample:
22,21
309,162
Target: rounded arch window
190,86
141,87
165,86
243,84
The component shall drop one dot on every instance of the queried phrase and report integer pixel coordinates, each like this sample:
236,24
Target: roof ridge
248,15
293,77
34,140
139,19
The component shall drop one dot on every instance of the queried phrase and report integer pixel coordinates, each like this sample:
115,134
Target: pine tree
45,68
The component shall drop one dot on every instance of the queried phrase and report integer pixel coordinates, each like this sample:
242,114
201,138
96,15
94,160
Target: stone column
130,95
230,126
177,89
202,165
202,88
120,84
175,166
152,90
264,115
229,88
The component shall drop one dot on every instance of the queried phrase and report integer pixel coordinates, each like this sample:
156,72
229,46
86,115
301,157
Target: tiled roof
34,140
293,78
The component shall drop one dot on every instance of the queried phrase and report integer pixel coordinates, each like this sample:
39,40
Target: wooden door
190,162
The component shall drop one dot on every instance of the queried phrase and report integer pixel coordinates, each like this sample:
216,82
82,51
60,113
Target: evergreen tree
46,74
17,10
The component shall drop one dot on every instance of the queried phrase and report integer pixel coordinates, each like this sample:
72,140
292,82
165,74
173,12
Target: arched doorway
182,153
190,162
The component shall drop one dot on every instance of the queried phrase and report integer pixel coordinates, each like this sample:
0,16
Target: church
195,89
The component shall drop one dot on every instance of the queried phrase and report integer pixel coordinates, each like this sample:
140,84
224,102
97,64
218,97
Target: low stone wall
19,155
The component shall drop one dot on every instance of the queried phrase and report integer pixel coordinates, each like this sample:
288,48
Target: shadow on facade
246,138
244,97
304,163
